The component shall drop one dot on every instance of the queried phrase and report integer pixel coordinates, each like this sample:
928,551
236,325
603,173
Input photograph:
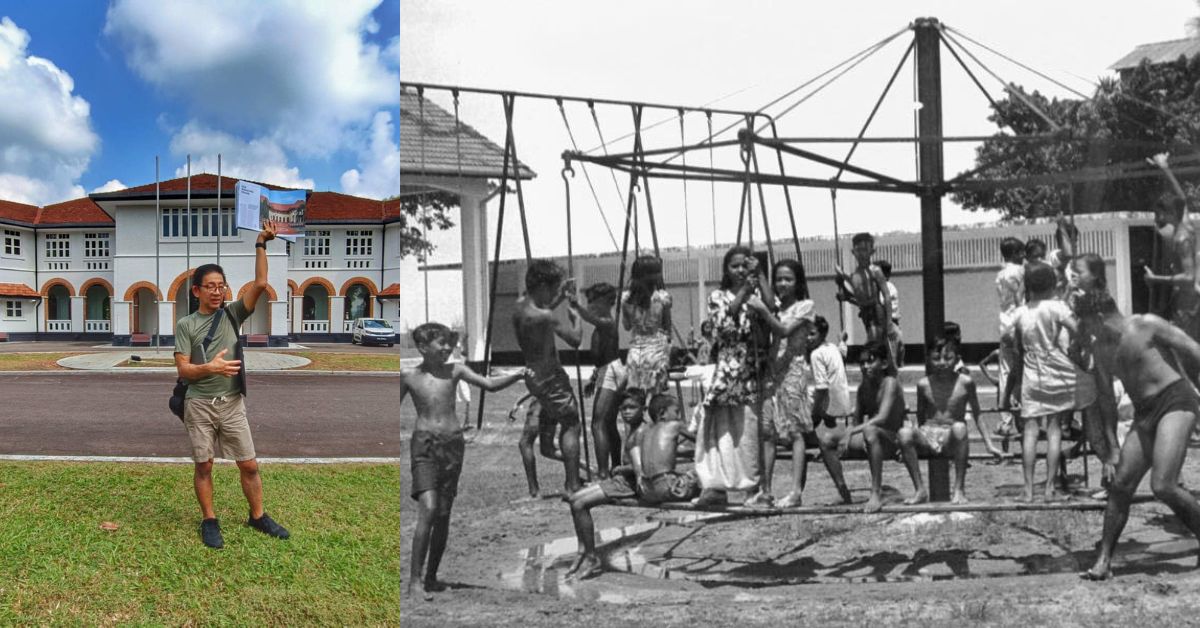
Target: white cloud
259,159
378,172
113,185
46,136
299,72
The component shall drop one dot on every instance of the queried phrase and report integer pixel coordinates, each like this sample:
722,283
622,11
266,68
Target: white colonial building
116,266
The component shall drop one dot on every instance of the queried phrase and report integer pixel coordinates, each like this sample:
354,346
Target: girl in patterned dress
727,449
646,313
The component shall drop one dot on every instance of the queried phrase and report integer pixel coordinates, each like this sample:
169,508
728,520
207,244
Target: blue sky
289,92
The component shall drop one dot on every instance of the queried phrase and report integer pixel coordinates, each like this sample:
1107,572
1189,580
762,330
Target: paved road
55,346
119,414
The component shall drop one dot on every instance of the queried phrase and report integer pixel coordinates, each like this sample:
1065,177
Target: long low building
116,266
972,259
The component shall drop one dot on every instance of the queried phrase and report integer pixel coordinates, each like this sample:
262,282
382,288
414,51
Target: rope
963,65
586,176
510,102
687,233
641,159
603,144
712,181
837,258
583,430
487,343
1015,62
801,282
874,110
1008,87
424,208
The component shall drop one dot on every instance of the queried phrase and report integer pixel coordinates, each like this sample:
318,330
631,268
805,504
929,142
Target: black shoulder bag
179,394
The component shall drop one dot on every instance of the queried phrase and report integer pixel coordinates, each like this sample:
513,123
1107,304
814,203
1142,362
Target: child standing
608,378
536,328
1010,288
437,444
867,290
895,338
1050,383
646,312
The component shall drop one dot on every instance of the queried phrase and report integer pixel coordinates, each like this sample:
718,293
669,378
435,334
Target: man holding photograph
215,409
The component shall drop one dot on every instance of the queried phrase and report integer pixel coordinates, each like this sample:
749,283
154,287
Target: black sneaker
210,533
267,525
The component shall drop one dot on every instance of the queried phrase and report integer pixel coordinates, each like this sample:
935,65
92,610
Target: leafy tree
1150,109
419,214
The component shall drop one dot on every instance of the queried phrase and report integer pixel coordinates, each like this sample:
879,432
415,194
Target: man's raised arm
260,266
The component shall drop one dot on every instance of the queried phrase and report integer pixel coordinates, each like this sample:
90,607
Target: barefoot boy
941,427
649,472
608,378
1134,348
536,327
437,444
881,431
868,291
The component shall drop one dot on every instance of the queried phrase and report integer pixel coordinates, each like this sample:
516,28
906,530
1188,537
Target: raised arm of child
490,384
778,328
572,332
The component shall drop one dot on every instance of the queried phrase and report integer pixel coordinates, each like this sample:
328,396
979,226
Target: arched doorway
97,309
316,309
58,308
145,312
358,301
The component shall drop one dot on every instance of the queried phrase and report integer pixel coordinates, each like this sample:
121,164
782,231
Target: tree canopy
1150,109
419,214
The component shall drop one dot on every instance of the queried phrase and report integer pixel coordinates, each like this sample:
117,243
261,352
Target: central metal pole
930,175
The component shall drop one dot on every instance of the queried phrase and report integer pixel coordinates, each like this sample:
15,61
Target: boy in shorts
866,288
622,484
943,397
608,377
437,444
879,434
1135,349
536,328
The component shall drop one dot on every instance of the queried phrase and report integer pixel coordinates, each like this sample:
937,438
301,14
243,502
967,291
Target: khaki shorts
222,420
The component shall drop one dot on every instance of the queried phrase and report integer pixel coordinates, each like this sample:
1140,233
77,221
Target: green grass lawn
32,361
351,361
57,566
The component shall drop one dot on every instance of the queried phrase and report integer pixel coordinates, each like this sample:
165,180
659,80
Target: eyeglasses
213,287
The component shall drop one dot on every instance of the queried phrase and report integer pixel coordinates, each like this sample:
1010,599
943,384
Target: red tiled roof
393,290
18,212
391,210
430,145
201,182
338,207
17,290
78,211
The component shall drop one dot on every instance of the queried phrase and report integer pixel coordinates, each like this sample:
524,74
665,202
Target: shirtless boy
437,444
868,291
649,473
1165,407
536,327
881,431
608,378
1179,237
943,397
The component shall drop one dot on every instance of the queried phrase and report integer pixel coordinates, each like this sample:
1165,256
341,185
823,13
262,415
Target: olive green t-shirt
189,337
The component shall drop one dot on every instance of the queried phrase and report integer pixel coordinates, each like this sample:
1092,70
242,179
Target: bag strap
212,329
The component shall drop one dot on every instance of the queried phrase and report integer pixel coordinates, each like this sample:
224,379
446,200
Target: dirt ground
1001,568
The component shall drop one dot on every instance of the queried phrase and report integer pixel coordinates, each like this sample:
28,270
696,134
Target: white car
372,331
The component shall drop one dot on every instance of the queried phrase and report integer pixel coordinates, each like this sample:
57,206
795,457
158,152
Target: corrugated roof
17,290
428,144
1159,52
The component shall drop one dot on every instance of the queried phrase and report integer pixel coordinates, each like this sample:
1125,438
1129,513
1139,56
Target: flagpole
157,279
187,223
220,212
